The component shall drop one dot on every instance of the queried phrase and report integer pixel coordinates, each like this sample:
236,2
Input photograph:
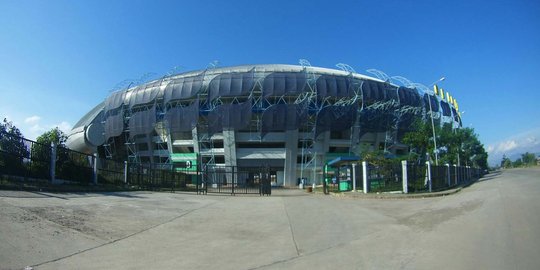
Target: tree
420,140
454,145
41,151
54,135
12,147
517,163
451,147
528,159
506,162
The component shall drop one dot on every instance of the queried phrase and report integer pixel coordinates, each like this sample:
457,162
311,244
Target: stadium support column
169,145
355,136
321,146
229,147
291,152
195,136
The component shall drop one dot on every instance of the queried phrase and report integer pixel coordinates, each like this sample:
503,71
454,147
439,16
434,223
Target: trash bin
344,186
309,189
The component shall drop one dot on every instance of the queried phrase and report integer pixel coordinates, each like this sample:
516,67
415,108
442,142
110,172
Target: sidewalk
387,195
393,195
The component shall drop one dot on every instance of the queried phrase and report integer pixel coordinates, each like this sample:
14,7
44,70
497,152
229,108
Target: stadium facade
291,118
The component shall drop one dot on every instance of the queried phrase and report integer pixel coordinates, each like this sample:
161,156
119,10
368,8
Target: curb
398,196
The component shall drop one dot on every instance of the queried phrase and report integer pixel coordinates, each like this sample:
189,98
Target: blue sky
58,59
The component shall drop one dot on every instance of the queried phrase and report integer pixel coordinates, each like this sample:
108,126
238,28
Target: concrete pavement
493,224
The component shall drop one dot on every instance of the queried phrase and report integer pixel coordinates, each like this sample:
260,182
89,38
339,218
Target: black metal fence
23,162
417,180
439,178
385,178
28,164
73,166
111,172
389,178
235,180
161,177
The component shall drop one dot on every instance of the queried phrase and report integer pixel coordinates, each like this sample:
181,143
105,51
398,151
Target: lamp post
433,123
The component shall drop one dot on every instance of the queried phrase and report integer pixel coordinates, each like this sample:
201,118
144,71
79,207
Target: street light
432,123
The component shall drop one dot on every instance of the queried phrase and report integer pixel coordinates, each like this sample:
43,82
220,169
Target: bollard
95,170
428,175
365,178
354,177
405,179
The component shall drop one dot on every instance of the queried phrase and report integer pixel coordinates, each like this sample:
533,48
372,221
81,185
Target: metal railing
26,163
385,178
406,178
236,180
23,162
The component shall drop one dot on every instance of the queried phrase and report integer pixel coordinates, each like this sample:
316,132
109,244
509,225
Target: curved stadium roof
282,95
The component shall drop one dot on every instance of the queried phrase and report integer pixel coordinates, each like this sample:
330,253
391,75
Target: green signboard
185,161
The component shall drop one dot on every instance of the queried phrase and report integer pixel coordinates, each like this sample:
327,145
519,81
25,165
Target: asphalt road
492,224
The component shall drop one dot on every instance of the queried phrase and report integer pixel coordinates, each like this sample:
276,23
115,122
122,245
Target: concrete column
229,147
365,177
95,169
448,174
52,169
355,135
291,152
195,137
168,140
354,177
196,146
321,146
428,166
404,177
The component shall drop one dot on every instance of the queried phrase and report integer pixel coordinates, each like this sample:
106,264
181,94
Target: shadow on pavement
490,176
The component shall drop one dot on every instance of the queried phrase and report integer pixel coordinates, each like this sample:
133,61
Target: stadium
293,119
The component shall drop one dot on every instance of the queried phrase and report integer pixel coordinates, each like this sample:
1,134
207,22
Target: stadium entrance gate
235,180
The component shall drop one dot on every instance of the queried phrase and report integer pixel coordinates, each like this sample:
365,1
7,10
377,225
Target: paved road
493,224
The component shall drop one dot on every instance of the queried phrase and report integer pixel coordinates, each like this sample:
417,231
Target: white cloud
37,128
63,126
35,131
35,125
34,119
507,146
533,140
514,146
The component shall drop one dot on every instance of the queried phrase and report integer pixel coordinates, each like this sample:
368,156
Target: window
338,150
261,145
142,147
